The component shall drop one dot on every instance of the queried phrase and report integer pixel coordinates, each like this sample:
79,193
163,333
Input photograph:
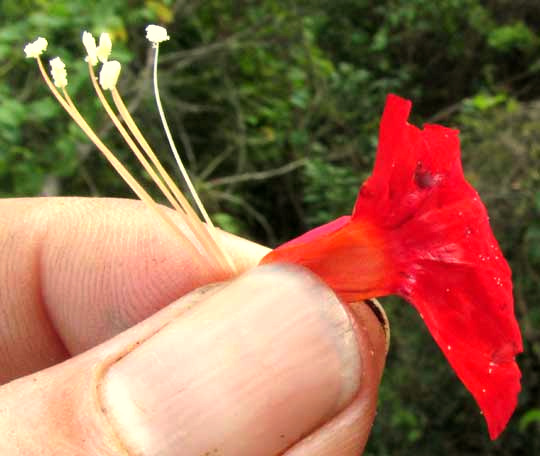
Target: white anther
58,72
156,34
35,48
109,74
91,49
105,46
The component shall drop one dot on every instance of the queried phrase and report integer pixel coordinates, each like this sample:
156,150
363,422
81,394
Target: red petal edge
420,230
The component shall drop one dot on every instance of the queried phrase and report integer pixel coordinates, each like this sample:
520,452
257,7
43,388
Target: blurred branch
232,95
258,176
51,186
89,180
445,113
187,148
191,55
250,210
214,163
184,58
183,8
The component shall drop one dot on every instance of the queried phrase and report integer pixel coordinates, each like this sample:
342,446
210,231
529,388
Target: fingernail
373,332
382,318
262,362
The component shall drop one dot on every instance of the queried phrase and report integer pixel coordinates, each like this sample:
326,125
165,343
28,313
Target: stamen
35,48
66,102
89,43
52,87
198,228
105,47
108,76
58,72
205,234
107,79
132,126
157,34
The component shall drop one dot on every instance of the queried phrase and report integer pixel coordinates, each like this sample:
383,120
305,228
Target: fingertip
348,432
280,359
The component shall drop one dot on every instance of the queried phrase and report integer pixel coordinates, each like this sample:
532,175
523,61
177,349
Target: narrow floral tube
419,230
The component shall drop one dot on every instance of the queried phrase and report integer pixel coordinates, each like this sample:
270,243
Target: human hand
267,363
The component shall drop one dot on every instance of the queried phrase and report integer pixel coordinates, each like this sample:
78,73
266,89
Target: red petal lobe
420,230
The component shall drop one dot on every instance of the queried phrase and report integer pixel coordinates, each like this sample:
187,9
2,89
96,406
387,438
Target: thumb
245,368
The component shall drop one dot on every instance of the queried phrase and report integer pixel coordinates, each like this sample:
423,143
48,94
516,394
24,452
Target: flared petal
420,230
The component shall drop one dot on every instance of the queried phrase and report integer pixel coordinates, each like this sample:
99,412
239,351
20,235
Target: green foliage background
276,105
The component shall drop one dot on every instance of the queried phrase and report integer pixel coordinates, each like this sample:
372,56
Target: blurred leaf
514,36
227,222
485,101
528,418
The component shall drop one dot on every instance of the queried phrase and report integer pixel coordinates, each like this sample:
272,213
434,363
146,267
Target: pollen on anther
35,48
156,34
104,49
58,72
108,76
89,43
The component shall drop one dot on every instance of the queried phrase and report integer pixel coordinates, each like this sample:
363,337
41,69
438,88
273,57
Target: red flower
419,230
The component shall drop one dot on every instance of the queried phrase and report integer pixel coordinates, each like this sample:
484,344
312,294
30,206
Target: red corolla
420,230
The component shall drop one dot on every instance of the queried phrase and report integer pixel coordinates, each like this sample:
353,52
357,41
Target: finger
74,272
347,434
249,370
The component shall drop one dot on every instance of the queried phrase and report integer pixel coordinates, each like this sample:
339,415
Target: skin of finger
77,271
347,433
265,361
58,411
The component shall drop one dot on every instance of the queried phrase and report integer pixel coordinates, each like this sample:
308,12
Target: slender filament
198,227
181,166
